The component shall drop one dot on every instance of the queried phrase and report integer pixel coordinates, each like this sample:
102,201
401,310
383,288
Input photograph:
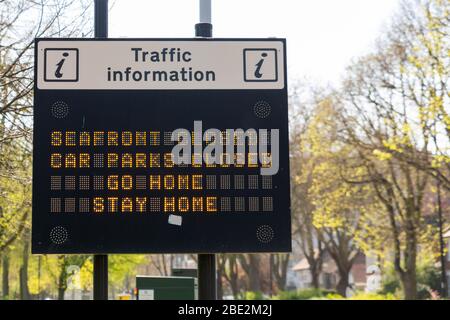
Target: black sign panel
104,175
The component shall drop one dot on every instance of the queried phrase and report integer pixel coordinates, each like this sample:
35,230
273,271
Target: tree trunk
24,291
280,264
234,287
61,292
254,273
62,280
343,283
164,264
343,253
409,285
442,244
409,275
219,285
344,268
5,275
127,283
221,260
315,268
23,278
234,276
250,264
254,284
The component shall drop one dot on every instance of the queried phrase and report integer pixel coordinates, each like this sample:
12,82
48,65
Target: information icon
61,65
260,65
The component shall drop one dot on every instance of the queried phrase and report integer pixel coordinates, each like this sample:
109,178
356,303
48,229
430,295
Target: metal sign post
101,260
204,27
207,281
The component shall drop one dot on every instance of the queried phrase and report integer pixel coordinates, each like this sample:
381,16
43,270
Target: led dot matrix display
105,180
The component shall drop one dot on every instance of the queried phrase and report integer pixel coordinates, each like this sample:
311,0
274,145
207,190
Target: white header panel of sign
119,64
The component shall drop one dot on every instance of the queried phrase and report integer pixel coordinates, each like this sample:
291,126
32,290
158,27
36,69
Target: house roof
327,266
301,265
447,234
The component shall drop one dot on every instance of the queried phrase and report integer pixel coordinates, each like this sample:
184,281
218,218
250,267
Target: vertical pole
271,263
207,286
100,277
101,260
204,27
39,276
101,18
444,283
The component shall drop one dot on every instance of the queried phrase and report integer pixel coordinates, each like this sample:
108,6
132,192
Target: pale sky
322,35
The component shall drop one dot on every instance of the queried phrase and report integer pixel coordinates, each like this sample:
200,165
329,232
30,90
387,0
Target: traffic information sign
160,146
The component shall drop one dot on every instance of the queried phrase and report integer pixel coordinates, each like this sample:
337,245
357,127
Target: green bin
166,288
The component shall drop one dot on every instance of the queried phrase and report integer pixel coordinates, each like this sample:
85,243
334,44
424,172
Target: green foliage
123,267
308,294
373,296
15,190
120,265
334,296
303,294
428,279
364,296
390,285
252,295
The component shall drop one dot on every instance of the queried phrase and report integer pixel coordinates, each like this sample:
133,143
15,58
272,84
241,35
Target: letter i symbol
59,65
258,73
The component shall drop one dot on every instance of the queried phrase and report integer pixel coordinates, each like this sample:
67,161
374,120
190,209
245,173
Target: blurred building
329,276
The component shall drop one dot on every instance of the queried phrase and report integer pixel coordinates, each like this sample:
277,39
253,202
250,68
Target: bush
390,285
428,280
334,296
311,293
372,296
363,296
302,294
252,295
